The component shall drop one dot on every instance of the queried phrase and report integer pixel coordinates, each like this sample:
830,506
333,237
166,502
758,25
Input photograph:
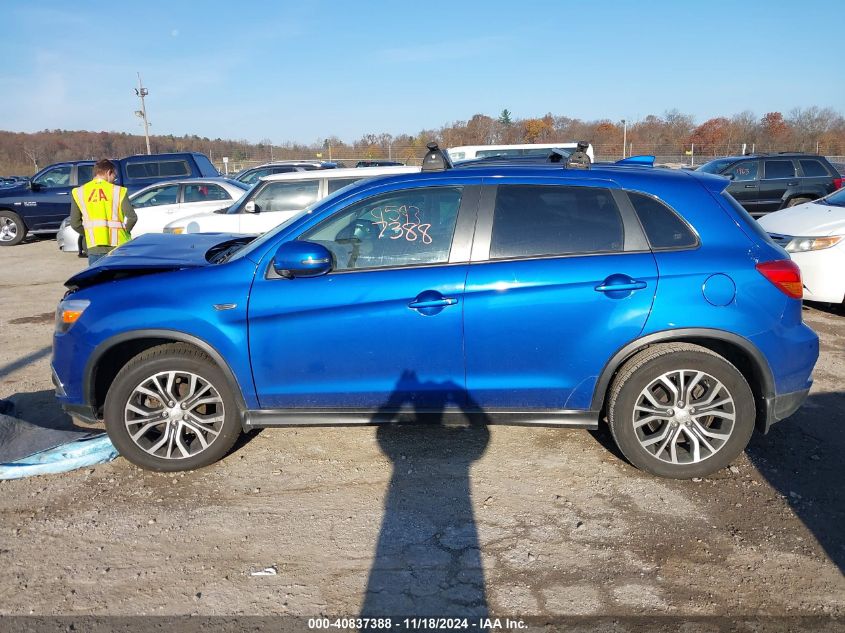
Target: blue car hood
157,252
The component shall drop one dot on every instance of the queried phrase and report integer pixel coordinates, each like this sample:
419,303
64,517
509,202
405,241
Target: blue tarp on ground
29,449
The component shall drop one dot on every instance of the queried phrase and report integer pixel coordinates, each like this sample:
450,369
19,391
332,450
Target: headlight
803,244
176,230
69,312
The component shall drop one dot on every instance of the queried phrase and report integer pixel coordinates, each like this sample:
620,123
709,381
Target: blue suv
646,299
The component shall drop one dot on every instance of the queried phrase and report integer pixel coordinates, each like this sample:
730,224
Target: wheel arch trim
174,336
767,383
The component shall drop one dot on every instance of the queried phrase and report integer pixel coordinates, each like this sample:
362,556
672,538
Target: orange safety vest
102,218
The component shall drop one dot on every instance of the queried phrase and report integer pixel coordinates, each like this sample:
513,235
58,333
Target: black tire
796,201
181,359
12,228
642,372
80,244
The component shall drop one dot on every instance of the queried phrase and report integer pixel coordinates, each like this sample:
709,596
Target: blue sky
301,71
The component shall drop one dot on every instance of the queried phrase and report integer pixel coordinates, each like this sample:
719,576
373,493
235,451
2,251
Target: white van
276,198
468,152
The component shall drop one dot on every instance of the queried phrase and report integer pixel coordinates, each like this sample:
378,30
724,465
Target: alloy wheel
684,416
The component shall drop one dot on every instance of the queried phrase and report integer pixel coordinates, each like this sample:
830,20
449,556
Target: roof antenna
436,159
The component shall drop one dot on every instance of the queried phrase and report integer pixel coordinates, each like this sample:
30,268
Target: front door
567,281
155,208
48,202
745,183
381,331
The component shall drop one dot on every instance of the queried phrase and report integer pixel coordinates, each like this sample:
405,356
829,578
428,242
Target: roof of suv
348,172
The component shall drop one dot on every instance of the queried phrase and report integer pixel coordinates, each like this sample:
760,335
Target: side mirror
729,176
302,259
33,186
250,207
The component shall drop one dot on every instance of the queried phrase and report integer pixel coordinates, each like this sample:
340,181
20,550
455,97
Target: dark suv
767,182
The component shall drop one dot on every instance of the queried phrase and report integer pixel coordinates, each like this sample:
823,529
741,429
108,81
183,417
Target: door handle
433,303
62,193
750,186
792,184
634,284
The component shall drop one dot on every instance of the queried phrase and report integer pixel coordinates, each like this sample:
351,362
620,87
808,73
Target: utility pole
624,136
143,92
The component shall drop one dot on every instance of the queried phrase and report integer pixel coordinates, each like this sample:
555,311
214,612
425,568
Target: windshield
716,166
269,235
836,199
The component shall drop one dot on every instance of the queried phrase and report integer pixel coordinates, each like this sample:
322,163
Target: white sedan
163,202
814,236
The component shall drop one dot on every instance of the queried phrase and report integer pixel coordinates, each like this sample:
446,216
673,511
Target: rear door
778,175
561,277
202,197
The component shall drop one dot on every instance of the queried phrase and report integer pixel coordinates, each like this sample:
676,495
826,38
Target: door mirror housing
729,176
302,259
250,207
33,186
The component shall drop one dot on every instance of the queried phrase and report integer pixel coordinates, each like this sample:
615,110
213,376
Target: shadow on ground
802,458
427,561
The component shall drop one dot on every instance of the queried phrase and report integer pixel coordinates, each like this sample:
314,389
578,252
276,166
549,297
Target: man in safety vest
101,211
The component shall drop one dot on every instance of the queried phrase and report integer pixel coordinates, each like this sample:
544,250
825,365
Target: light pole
624,136
143,92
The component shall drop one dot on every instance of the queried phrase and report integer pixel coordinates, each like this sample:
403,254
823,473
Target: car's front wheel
680,410
171,408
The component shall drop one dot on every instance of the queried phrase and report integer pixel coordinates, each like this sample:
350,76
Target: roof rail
644,160
579,158
436,159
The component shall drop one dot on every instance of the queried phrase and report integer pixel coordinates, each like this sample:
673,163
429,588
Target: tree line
673,133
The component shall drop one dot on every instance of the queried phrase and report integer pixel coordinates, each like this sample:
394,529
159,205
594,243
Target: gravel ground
437,521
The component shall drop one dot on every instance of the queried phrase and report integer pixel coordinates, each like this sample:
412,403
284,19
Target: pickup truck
39,205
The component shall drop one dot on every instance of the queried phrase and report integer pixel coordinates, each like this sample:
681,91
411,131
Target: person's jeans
93,257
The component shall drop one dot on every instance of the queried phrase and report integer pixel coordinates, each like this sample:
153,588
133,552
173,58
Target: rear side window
813,168
340,183
84,173
532,220
158,169
287,195
779,169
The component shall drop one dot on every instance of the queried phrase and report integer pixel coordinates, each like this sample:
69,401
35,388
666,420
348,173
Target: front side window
401,228
662,226
55,177
746,170
205,193
779,169
537,220
157,196
813,168
291,195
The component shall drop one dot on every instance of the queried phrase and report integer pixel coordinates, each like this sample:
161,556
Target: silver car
163,202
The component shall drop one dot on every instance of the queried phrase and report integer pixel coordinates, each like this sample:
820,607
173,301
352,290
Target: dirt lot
434,521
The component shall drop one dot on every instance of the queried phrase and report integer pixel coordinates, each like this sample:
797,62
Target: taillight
837,183
785,274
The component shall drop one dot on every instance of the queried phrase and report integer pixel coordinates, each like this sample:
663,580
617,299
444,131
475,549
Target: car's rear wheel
171,408
680,410
12,228
796,201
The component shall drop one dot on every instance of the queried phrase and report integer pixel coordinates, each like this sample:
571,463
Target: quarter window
779,169
533,220
403,228
662,226
813,168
